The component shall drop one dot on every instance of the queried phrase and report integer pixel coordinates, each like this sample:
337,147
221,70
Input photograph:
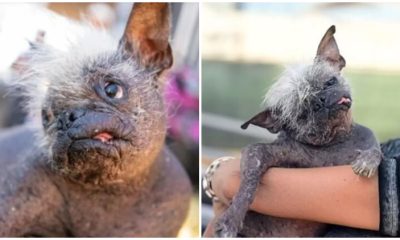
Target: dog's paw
227,226
367,162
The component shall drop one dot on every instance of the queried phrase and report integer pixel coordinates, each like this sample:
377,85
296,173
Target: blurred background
21,24
245,47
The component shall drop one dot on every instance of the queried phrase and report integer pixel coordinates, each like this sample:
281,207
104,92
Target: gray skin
103,169
38,201
332,139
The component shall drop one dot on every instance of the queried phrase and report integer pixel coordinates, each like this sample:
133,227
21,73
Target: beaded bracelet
209,173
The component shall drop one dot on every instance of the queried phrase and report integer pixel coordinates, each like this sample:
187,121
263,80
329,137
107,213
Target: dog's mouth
342,102
107,142
101,144
104,137
345,102
101,135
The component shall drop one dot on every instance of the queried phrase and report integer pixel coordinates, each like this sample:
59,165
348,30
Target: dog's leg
256,159
29,200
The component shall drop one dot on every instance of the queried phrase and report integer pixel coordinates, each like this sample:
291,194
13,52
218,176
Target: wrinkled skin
37,201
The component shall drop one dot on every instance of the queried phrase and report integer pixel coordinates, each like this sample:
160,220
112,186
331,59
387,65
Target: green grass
237,89
377,102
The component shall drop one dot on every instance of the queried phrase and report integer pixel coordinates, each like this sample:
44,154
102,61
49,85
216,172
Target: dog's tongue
104,137
344,100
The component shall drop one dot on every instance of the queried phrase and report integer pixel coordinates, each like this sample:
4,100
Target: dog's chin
91,148
329,131
92,161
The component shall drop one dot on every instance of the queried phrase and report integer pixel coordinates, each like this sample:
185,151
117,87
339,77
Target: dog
95,164
309,106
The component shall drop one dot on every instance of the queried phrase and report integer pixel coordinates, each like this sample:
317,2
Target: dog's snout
66,118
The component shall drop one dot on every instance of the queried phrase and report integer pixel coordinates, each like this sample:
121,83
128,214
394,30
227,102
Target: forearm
332,194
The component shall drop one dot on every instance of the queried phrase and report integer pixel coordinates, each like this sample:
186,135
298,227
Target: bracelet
209,173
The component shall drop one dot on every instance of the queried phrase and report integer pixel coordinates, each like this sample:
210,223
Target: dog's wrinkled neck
134,175
338,131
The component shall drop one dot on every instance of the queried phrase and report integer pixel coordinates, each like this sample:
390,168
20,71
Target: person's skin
332,195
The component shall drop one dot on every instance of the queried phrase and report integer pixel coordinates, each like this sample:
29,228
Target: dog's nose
75,114
66,118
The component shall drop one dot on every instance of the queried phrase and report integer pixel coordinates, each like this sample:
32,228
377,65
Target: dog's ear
146,35
264,119
329,51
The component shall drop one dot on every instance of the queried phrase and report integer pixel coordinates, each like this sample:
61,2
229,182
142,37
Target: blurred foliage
236,90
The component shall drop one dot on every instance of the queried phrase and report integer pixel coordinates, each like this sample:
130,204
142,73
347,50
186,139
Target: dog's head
310,103
102,106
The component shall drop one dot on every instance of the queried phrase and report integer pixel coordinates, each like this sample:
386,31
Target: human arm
331,194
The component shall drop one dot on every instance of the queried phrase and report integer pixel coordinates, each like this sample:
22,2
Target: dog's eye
331,82
113,90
